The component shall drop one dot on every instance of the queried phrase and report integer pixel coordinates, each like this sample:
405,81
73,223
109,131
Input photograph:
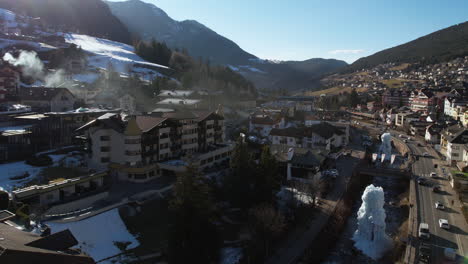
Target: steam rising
33,67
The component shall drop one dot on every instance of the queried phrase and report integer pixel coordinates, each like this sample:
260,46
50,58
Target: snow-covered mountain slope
9,17
121,56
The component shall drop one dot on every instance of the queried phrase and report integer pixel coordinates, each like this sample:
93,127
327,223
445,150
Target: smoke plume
31,65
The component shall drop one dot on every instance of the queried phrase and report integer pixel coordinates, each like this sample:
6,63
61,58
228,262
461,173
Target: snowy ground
121,56
96,235
230,255
8,170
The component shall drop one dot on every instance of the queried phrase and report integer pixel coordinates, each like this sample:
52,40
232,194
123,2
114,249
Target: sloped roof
146,123
324,129
41,93
24,247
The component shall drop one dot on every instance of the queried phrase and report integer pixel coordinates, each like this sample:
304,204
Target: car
425,154
425,252
433,175
439,205
424,231
406,140
436,189
443,223
421,181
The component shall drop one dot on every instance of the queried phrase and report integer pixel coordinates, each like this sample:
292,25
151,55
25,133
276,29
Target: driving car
439,205
443,223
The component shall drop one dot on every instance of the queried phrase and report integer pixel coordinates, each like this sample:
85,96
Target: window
133,141
132,152
130,176
105,160
105,138
140,176
49,196
105,149
151,173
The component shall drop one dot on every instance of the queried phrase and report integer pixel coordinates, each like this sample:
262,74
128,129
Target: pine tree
194,237
267,179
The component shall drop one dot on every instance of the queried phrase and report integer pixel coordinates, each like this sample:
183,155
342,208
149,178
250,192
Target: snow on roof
178,101
175,93
85,77
15,169
96,235
121,56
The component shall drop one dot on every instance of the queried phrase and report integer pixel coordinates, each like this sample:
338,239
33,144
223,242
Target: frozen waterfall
370,236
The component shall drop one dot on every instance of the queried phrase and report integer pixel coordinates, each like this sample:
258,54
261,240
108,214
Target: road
299,239
456,237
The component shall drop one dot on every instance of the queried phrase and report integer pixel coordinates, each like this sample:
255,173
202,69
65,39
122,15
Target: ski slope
121,56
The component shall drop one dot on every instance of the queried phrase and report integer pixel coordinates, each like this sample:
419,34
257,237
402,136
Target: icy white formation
386,147
370,236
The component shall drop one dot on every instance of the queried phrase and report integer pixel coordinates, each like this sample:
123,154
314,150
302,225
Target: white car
425,154
439,205
443,223
433,175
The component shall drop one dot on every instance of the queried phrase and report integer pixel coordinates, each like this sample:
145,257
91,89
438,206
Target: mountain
436,47
149,21
91,17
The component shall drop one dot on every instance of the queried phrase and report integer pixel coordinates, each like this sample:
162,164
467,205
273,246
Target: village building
9,82
263,123
398,98
452,142
43,99
127,104
18,246
142,147
323,135
422,101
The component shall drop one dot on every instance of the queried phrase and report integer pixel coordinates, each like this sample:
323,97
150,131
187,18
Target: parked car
436,189
433,175
425,154
439,205
421,181
443,223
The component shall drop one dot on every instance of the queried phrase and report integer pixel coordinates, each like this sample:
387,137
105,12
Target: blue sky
303,29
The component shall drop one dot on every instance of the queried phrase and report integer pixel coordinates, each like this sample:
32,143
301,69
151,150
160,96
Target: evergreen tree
354,98
194,238
239,182
267,179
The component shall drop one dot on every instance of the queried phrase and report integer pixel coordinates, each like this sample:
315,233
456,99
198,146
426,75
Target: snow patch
20,168
96,235
106,52
231,255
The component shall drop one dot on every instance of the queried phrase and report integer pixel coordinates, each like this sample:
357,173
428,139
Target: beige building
135,148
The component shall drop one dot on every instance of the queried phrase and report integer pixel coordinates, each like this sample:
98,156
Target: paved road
299,239
456,237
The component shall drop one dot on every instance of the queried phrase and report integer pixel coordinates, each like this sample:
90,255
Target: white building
127,104
323,135
263,124
453,141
